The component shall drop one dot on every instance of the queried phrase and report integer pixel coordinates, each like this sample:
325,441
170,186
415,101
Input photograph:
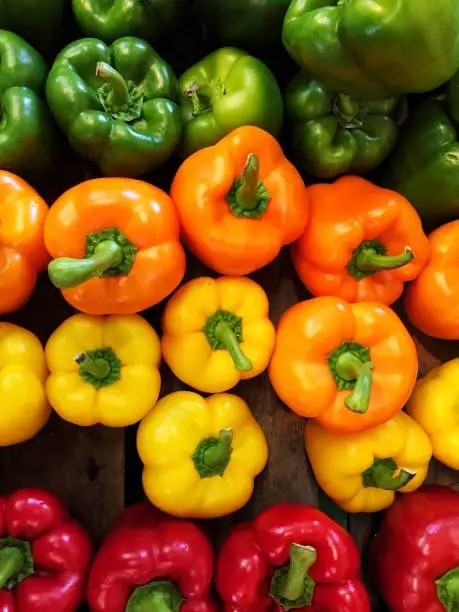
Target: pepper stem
349,367
98,368
226,336
448,590
12,561
157,596
368,260
246,194
66,272
213,455
301,560
381,475
119,96
200,101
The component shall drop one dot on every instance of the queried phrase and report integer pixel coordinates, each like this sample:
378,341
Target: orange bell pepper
362,242
117,246
22,249
350,366
431,300
240,202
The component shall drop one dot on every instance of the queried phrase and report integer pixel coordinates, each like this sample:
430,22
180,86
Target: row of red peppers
289,557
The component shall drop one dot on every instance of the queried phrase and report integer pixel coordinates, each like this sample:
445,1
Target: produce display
146,173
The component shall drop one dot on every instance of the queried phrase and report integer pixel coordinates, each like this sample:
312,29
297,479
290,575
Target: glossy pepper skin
150,559
44,554
362,243
200,455
290,557
240,202
375,49
23,374
103,369
115,244
217,332
350,366
430,301
333,134
433,405
362,472
116,104
22,249
415,557
224,91
114,19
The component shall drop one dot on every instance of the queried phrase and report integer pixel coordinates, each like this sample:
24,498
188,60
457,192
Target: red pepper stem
119,96
157,596
226,336
448,590
301,560
246,195
368,260
349,367
11,563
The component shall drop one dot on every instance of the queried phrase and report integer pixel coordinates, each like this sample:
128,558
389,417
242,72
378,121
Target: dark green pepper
374,49
116,104
334,134
109,20
225,90
27,131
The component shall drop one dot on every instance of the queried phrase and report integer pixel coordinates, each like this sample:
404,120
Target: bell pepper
375,49
116,246
240,202
44,554
216,332
290,557
224,91
332,133
200,455
433,404
22,252
415,557
362,243
425,166
362,472
116,104
150,561
350,366
237,22
430,301
111,20
27,132
22,385
103,369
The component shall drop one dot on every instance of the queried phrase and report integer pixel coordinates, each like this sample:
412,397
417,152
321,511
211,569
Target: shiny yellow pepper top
434,404
103,369
200,455
217,332
362,472
24,408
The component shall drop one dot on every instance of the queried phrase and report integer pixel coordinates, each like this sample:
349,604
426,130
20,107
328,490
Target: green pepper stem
381,475
227,338
157,596
246,194
66,272
199,98
219,453
301,560
11,563
120,96
448,590
349,367
368,260
98,368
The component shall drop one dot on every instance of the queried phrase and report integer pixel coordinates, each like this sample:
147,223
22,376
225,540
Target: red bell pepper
152,562
44,554
290,557
415,556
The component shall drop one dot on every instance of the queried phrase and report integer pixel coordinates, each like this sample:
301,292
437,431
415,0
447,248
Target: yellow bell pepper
362,472
217,332
25,409
433,405
200,455
103,369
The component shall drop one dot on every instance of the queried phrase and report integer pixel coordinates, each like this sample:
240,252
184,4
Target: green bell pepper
334,134
109,20
251,24
373,49
27,131
225,90
116,104
425,167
